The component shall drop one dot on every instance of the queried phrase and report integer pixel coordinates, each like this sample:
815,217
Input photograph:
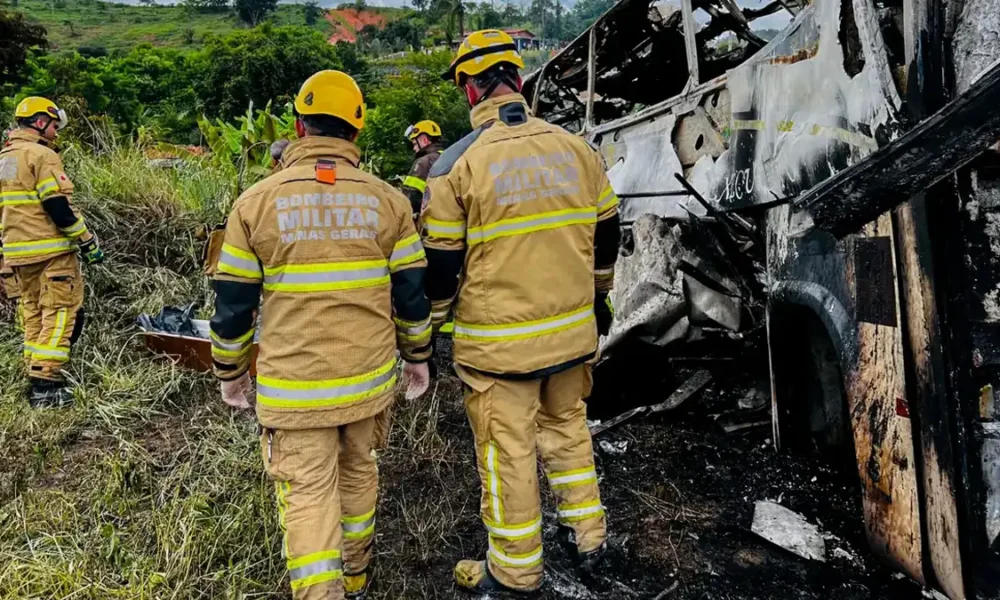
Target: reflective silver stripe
327,565
47,352
521,560
15,198
323,393
238,344
239,265
478,235
355,530
445,229
46,186
499,332
414,329
76,229
576,511
607,199
17,249
567,480
513,532
407,253
610,271
326,276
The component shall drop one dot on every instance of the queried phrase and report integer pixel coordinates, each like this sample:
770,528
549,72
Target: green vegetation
150,487
97,26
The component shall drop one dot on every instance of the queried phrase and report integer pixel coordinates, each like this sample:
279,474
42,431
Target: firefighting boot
585,562
474,576
356,586
49,394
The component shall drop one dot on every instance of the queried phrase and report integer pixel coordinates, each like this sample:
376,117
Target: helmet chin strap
474,97
40,130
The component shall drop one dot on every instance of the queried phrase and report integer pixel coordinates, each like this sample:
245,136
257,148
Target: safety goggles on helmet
60,118
411,132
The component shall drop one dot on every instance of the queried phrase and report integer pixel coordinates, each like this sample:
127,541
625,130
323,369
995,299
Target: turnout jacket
520,226
38,218
335,253
415,183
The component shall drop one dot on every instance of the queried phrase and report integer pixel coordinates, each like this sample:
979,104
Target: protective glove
239,392
417,377
603,313
91,252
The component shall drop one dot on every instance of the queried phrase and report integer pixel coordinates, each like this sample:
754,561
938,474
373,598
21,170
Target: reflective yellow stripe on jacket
527,329
47,187
234,261
287,393
76,229
454,230
19,198
408,250
416,183
414,331
326,277
531,223
39,248
607,200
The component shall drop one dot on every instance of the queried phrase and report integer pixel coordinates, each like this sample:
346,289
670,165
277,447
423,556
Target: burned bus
883,331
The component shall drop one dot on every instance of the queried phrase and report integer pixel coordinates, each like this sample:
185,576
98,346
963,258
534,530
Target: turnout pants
510,419
326,483
51,303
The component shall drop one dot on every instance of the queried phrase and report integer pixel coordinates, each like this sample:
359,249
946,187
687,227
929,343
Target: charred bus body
884,343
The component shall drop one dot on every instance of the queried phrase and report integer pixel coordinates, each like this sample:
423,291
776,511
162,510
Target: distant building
524,39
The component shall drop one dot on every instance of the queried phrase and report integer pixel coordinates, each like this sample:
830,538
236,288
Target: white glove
239,393
417,377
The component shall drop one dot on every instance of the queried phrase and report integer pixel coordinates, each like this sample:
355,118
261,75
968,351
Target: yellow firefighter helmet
426,126
482,50
35,105
333,93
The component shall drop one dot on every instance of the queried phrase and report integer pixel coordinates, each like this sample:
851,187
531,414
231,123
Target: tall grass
147,488
150,488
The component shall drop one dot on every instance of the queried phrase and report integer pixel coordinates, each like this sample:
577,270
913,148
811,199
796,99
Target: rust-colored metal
919,306
189,352
883,440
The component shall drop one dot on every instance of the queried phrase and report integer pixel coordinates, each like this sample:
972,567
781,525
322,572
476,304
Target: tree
206,5
261,64
312,12
17,38
253,12
401,34
398,101
584,14
421,5
487,17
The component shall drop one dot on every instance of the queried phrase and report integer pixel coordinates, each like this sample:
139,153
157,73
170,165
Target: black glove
602,311
91,252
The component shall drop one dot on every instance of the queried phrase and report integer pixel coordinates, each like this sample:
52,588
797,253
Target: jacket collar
313,148
489,110
430,149
26,135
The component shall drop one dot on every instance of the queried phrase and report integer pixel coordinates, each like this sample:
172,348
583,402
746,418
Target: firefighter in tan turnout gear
520,224
426,139
42,233
335,253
